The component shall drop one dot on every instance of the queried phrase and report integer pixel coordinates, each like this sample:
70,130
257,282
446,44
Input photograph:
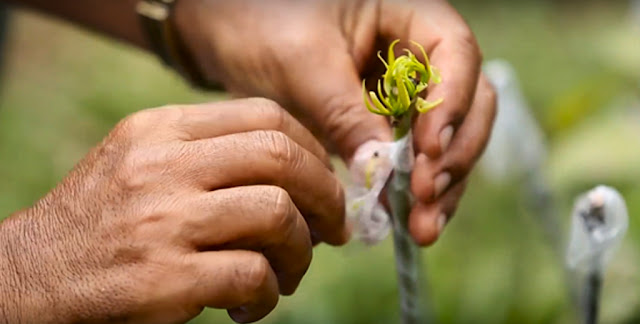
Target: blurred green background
579,65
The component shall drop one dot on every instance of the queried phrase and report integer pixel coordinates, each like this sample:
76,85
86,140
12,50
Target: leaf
435,74
422,106
403,95
382,59
421,87
391,56
388,80
411,87
424,54
378,104
382,97
409,54
367,103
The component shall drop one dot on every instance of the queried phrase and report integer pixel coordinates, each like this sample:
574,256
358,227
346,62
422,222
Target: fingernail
442,221
240,314
445,138
441,183
243,309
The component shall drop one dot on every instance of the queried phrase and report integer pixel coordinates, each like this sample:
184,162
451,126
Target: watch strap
155,18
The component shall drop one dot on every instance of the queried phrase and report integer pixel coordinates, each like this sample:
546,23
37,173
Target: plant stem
591,296
407,254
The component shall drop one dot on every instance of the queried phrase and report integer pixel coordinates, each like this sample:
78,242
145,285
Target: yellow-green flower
398,90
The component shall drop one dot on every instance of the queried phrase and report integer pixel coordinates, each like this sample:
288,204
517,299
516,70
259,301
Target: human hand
310,56
179,208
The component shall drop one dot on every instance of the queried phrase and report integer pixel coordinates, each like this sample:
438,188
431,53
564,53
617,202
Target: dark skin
231,228
97,15
128,217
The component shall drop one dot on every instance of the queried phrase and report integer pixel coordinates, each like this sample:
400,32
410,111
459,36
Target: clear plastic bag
599,223
517,146
370,170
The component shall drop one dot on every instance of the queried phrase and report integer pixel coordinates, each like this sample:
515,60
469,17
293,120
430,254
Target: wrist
195,28
173,32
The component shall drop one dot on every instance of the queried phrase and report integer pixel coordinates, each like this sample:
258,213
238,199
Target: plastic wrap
517,144
599,223
370,170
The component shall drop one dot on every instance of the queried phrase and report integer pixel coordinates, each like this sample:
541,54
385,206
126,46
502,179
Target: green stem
402,126
407,253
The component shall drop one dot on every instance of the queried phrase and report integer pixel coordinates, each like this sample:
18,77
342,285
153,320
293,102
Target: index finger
272,158
216,119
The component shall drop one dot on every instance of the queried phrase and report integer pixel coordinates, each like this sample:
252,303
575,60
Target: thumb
333,98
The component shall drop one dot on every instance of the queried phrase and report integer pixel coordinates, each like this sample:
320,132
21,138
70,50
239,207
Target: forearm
23,297
116,18
9,295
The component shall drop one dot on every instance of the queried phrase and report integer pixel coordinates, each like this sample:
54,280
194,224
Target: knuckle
256,275
173,115
129,176
282,149
457,115
138,120
142,122
274,116
140,166
282,221
264,103
462,163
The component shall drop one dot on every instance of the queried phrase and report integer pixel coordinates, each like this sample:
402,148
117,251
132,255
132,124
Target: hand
311,55
178,209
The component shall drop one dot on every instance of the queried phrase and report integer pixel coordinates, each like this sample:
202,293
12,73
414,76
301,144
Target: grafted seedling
398,96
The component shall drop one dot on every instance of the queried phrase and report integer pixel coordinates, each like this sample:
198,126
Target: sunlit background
578,65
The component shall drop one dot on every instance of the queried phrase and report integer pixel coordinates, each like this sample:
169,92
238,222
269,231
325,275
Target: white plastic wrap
370,170
599,223
517,144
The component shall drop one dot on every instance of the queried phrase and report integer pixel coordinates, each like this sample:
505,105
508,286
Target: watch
155,18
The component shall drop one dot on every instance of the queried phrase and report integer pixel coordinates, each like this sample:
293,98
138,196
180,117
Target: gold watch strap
165,42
